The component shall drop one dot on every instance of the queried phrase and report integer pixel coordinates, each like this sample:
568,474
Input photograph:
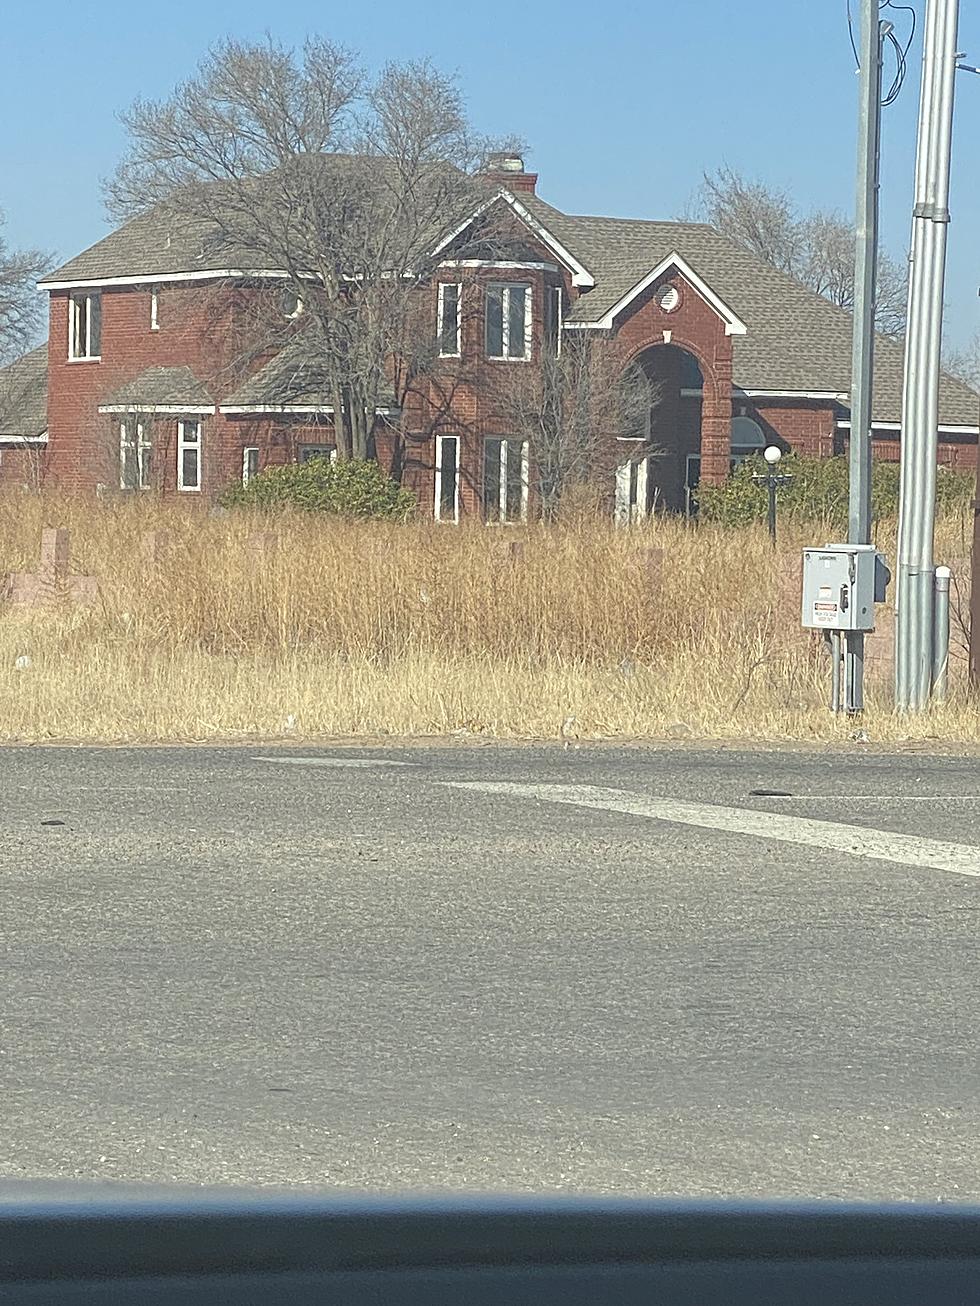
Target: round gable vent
667,298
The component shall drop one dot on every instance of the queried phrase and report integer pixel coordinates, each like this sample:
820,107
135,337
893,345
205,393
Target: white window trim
332,457
506,287
630,509
559,294
440,312
183,444
154,310
73,303
136,446
505,443
437,509
249,449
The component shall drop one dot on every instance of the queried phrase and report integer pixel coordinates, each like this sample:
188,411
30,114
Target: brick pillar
716,418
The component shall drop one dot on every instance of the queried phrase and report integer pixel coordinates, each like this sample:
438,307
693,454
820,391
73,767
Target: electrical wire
850,33
901,51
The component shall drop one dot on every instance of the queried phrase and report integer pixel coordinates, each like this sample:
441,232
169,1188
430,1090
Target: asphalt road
581,969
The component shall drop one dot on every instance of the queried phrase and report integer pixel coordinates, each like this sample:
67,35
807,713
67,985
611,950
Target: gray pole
940,638
862,357
920,401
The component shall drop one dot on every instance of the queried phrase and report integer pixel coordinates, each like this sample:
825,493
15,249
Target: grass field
299,627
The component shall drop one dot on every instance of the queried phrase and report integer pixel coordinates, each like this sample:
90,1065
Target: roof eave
582,278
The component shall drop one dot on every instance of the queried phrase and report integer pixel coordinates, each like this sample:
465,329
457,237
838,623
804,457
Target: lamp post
772,481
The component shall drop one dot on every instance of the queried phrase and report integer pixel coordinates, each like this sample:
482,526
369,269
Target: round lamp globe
772,455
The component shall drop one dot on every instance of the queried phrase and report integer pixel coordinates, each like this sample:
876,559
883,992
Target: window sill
497,358
457,355
87,358
189,489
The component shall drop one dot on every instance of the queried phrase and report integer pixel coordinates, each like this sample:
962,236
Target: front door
632,503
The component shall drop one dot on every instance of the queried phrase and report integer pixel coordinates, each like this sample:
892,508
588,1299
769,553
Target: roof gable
796,341
734,326
581,276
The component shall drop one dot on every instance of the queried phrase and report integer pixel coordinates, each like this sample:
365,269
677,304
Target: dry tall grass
296,626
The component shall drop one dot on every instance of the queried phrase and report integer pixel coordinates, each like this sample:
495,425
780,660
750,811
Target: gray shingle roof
24,395
291,378
170,386
164,242
149,246
796,340
286,379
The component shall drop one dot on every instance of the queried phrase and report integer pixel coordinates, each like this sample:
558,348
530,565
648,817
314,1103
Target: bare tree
298,163
965,362
571,409
816,248
20,304
22,380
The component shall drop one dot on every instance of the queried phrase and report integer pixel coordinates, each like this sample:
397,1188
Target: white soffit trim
165,278
845,424
734,326
235,410
176,409
840,397
581,276
497,263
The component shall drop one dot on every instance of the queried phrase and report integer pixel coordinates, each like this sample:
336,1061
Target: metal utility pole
920,400
862,357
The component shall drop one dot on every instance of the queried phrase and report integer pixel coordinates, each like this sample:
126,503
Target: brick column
716,417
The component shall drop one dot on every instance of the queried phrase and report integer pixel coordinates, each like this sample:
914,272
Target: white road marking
331,761
828,836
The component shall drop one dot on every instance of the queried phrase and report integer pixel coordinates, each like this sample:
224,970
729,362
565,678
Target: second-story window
553,319
85,326
509,321
449,324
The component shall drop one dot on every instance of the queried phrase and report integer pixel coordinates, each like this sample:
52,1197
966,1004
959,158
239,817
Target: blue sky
623,104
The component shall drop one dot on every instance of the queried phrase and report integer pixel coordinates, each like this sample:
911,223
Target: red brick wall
464,399
22,465
807,426
695,326
195,331
961,455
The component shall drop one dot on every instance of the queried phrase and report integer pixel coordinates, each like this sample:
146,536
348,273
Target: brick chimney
508,170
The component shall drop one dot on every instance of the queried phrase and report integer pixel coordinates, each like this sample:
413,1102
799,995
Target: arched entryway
672,463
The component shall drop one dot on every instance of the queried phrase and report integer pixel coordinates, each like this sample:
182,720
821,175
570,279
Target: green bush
349,489
817,492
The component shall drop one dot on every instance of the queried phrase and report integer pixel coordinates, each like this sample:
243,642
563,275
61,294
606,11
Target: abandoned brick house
124,393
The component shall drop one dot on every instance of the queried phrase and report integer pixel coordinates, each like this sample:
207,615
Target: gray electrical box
841,584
